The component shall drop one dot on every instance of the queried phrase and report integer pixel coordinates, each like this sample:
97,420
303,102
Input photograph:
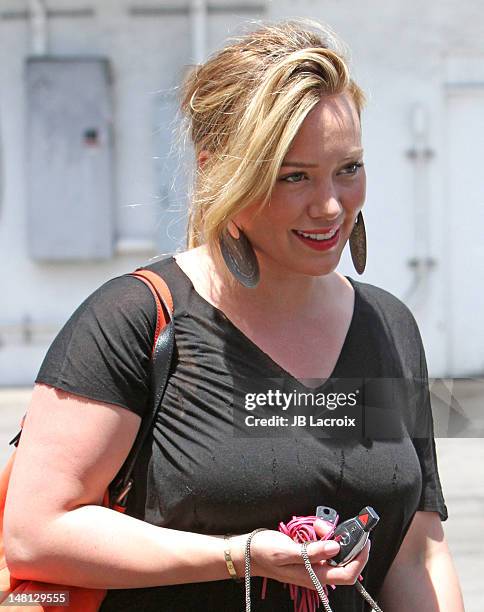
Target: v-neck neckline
283,372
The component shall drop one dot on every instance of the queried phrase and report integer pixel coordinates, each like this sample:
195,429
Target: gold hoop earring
239,256
358,244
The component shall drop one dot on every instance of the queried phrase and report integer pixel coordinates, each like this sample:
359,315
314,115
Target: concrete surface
461,472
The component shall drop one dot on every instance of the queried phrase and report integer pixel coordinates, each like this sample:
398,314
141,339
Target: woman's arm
422,576
55,529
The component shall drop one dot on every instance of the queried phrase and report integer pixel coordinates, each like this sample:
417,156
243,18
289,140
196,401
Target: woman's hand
275,555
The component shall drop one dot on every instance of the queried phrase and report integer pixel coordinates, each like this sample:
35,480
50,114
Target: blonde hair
244,107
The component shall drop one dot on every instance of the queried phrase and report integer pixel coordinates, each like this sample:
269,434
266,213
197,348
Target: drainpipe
198,15
422,263
38,26
2,172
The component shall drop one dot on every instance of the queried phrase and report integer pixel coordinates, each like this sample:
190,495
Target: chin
312,266
320,266
322,270
313,269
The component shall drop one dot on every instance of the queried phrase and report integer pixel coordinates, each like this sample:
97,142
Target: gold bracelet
228,559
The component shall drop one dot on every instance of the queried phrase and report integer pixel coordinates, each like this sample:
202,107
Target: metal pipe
422,262
198,16
2,171
38,27
26,331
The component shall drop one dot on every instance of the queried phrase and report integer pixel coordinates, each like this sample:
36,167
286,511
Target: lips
318,230
325,234
318,242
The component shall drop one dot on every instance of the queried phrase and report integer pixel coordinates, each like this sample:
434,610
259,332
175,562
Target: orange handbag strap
161,358
161,293
162,353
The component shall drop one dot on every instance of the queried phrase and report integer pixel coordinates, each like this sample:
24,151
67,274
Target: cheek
361,195
245,219
276,214
289,204
352,204
355,197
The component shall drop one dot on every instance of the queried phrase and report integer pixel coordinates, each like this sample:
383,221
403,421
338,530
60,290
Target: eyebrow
299,164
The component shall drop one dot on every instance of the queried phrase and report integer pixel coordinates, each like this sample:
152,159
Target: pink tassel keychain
353,535
301,529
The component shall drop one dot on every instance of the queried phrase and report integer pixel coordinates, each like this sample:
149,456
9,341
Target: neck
279,293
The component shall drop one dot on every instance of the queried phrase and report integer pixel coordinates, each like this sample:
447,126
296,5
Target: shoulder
381,300
121,308
119,299
115,321
386,308
125,297
103,351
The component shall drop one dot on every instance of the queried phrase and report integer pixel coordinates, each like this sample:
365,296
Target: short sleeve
103,352
431,498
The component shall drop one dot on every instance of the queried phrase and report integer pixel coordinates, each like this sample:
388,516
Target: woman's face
319,190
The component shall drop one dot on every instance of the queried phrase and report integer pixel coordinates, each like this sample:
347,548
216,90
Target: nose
325,206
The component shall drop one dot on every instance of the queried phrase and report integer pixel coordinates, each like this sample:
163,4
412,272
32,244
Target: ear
202,158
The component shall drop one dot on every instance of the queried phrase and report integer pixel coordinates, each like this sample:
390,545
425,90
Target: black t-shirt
196,475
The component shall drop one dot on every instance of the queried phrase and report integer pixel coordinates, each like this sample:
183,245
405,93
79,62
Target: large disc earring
358,244
239,256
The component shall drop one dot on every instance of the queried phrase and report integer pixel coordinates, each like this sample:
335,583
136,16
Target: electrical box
70,159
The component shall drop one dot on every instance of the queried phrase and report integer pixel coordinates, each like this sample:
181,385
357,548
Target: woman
275,122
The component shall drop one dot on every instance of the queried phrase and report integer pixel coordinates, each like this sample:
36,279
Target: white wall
404,53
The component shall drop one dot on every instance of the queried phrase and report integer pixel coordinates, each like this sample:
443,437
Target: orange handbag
48,597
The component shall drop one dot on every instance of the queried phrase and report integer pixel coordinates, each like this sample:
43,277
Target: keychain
351,535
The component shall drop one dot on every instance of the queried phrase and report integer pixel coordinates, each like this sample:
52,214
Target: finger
322,528
317,551
347,574
297,574
281,550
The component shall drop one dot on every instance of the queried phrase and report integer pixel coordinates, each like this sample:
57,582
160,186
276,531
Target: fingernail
331,547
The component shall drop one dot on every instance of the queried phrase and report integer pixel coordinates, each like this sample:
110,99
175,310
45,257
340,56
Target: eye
352,169
295,177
